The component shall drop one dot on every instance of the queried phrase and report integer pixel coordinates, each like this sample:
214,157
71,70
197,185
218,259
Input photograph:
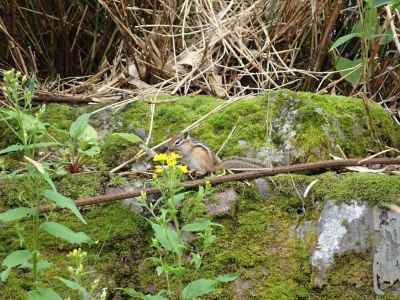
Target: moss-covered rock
259,242
305,126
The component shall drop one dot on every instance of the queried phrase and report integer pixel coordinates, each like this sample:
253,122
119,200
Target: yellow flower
159,170
183,169
171,162
172,158
160,157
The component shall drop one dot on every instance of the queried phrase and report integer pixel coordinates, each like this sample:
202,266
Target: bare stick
322,165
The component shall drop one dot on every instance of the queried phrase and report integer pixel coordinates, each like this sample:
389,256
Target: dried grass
222,48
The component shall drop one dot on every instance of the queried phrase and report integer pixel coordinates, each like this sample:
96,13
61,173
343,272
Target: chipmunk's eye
178,142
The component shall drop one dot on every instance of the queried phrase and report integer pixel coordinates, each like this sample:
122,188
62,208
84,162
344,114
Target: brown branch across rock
61,98
309,167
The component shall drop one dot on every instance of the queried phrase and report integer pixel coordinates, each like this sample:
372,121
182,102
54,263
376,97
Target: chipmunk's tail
241,164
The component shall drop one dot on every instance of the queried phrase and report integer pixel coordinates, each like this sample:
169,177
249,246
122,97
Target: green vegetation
258,241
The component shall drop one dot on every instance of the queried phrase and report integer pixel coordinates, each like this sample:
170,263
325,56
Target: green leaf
14,259
129,137
370,28
43,294
387,37
69,283
344,39
199,225
63,202
4,275
18,147
41,266
198,288
132,293
154,297
15,214
39,167
227,278
138,295
168,238
91,152
378,3
89,135
63,232
351,69
78,126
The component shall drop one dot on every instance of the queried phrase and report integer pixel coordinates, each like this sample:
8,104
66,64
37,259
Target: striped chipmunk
201,160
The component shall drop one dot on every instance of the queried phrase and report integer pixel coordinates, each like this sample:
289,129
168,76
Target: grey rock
141,166
263,187
102,121
223,203
342,228
386,261
241,289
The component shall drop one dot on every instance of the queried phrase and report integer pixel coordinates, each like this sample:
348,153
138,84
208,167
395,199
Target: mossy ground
258,242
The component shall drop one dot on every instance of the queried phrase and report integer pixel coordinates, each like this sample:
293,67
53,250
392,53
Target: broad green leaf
168,238
344,39
92,151
154,297
4,275
89,135
63,202
129,137
138,295
198,288
227,278
199,225
32,124
43,294
63,232
69,283
41,266
15,214
18,147
351,69
78,126
14,259
28,122
132,293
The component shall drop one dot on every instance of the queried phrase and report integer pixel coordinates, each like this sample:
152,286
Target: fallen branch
322,165
59,98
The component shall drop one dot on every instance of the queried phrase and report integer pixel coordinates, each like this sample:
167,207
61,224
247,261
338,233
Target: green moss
81,185
323,122
374,189
115,151
120,241
20,191
350,278
315,125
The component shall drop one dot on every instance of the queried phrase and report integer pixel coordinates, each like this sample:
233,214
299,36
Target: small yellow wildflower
159,170
160,157
172,159
183,169
174,156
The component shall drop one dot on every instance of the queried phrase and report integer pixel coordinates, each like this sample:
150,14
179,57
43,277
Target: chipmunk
201,160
